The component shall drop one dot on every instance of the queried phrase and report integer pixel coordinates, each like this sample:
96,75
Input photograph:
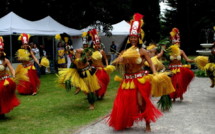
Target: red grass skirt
8,99
181,81
126,110
103,79
31,86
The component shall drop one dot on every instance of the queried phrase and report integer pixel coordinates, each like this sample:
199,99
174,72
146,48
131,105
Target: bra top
175,57
2,67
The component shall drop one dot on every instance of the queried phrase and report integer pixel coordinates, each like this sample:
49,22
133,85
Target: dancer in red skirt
132,102
8,99
25,56
182,75
102,71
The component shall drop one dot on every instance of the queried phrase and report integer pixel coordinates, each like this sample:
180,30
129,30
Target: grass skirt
31,86
181,81
8,99
104,80
126,109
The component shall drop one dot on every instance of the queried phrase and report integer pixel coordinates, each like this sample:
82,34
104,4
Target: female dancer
25,55
182,75
81,75
101,70
132,102
8,99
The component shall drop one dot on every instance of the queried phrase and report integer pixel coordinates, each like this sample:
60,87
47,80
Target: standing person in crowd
8,99
68,47
101,71
25,55
61,56
182,75
113,51
132,102
36,52
45,64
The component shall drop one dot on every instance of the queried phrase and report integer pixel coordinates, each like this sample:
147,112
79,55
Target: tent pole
11,49
53,40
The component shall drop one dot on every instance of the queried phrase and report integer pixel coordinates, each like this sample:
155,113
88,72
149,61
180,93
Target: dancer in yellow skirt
81,75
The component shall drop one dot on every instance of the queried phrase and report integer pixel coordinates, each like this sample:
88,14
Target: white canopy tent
50,23
119,33
12,24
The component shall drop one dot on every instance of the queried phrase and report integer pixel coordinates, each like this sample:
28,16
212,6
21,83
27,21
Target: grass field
54,110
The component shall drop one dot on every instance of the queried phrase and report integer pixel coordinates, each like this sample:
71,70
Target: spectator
36,52
113,51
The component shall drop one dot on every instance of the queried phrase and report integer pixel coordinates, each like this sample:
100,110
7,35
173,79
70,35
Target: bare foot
148,128
34,93
91,107
77,91
173,100
181,98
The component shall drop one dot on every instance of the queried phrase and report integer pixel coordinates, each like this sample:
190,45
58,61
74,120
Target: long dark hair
3,57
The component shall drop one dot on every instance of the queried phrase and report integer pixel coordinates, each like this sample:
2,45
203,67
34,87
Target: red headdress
174,36
1,43
136,24
24,38
94,35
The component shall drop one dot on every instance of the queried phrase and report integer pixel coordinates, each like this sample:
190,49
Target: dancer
8,99
102,72
182,75
81,75
156,56
25,55
132,102
207,63
164,103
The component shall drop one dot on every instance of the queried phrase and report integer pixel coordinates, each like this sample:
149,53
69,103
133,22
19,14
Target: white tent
12,24
121,28
48,23
119,33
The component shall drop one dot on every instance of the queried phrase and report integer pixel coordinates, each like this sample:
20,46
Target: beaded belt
86,68
5,77
172,66
26,65
137,75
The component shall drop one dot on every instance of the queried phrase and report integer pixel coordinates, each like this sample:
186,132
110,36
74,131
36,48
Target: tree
191,17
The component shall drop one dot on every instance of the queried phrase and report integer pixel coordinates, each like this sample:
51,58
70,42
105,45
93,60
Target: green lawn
54,110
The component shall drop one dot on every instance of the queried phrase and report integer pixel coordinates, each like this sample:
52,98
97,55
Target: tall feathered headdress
174,36
1,43
94,35
136,27
24,38
64,37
